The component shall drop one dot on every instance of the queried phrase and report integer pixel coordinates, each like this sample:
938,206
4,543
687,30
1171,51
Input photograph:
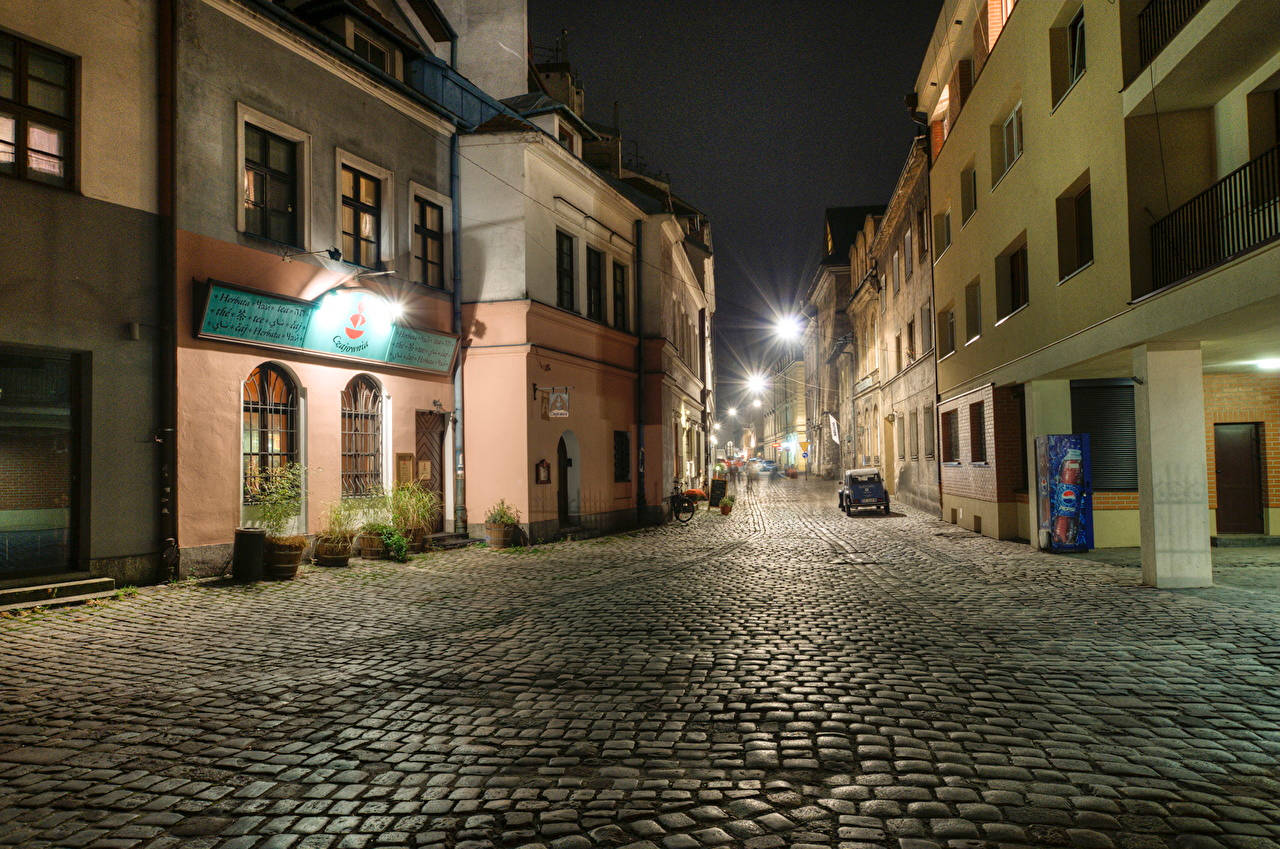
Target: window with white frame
1010,146
364,207
273,184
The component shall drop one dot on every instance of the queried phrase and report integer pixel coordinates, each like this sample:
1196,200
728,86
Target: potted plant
371,539
726,505
395,546
333,543
372,513
279,503
413,510
499,523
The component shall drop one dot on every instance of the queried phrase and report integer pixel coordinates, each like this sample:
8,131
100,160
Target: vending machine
1064,486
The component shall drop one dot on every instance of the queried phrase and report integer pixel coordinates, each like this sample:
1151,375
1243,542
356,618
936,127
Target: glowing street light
756,383
789,328
756,403
715,426
732,411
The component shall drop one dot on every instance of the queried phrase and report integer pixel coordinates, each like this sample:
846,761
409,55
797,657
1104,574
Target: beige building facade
1103,194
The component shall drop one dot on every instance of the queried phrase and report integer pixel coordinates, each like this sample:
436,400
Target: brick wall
1234,398
964,478
1005,424
1115,501
34,468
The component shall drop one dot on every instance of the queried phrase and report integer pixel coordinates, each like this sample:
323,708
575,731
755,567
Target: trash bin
247,554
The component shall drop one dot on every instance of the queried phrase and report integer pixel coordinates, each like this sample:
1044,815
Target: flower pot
497,535
417,539
282,558
725,508
332,553
371,546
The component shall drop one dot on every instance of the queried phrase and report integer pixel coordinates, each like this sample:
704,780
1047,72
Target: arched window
361,437
269,437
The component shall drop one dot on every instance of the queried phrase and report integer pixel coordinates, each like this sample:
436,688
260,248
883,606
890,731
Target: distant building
860,421
1104,188
785,424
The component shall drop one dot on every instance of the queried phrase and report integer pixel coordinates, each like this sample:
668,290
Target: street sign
777,445
805,455
804,446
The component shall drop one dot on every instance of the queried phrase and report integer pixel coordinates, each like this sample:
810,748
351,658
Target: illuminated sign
350,324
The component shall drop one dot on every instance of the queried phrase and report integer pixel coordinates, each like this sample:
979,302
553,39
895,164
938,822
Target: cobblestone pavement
783,677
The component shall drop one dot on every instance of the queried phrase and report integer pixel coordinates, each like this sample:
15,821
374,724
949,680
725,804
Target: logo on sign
357,321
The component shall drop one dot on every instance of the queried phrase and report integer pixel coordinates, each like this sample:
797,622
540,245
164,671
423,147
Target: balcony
1159,22
1236,215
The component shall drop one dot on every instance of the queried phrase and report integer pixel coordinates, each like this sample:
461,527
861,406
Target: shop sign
350,324
559,403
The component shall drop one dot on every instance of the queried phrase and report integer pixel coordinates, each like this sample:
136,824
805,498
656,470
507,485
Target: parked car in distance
863,490
768,467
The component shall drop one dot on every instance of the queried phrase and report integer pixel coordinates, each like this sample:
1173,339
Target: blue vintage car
863,490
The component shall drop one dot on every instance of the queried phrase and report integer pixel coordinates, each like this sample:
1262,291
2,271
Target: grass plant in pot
500,523
372,516
726,505
413,511
279,504
333,543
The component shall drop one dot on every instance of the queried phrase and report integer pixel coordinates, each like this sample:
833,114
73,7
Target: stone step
1243,540
55,594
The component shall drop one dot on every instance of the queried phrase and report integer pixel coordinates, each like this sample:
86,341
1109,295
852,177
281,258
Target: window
564,271
269,427
270,186
361,218
972,311
371,52
1012,286
427,248
1075,229
951,437
1075,47
897,271
968,193
620,299
595,285
884,282
567,138
900,423
37,113
1104,409
928,430
361,438
621,456
913,435
906,253
1010,140
946,332
977,433
897,345
921,240
926,328
911,341
941,232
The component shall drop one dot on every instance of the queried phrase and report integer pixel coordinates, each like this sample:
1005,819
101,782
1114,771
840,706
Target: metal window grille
37,113
269,413
270,186
361,217
564,270
361,438
428,243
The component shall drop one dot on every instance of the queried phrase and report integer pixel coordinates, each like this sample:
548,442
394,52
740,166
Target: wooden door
1237,457
430,453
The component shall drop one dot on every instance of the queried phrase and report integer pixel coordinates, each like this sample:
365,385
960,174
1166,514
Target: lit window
270,186
361,438
269,427
361,217
37,119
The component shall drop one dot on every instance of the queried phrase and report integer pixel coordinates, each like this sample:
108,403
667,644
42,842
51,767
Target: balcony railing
1235,215
1160,21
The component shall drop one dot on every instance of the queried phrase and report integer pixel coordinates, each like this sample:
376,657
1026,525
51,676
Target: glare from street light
756,403
732,411
756,383
789,328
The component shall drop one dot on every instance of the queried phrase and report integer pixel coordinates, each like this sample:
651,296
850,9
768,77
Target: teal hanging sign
350,324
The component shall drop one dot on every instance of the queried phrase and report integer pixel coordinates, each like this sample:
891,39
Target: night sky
764,113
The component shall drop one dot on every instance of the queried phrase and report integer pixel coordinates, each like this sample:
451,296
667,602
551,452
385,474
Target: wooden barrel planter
281,559
498,535
371,546
332,553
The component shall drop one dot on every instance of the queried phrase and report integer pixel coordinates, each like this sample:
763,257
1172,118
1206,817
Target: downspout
166,351
641,499
459,473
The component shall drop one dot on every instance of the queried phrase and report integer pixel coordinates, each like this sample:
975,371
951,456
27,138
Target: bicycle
682,506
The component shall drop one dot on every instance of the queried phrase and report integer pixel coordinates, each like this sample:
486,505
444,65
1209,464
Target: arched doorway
568,475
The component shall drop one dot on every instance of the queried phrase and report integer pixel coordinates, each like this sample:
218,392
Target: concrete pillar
1048,404
1173,481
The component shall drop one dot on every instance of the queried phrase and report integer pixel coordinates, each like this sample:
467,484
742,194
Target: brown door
430,438
1239,475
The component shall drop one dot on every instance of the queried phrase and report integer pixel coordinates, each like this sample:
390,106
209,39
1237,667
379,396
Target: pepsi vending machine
1064,485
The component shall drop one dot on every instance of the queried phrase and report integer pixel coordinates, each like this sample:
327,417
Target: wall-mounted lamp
287,254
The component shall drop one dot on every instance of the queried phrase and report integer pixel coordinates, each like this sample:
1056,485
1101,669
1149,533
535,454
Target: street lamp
715,426
732,411
756,403
789,328
756,383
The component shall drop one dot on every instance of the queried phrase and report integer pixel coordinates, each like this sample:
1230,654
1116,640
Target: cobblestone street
783,677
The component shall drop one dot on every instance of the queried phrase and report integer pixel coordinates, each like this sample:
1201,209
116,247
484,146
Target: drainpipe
641,500
459,473
166,350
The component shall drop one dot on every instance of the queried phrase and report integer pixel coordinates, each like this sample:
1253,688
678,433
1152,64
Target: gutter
641,499
166,351
459,473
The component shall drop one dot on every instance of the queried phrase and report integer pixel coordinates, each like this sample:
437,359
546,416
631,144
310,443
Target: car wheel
886,508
